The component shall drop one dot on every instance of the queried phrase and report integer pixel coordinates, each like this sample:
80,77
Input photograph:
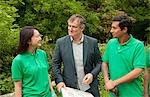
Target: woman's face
35,39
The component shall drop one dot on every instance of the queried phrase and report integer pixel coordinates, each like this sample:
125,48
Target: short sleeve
140,56
46,60
148,58
105,57
16,70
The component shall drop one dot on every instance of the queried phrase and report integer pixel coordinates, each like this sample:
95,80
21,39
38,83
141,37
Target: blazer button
75,74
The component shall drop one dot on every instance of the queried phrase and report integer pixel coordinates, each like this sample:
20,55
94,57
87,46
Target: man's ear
82,29
125,29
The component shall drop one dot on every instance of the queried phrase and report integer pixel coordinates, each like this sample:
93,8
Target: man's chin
114,36
39,44
71,35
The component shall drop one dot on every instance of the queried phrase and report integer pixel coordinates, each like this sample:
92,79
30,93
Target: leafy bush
8,41
6,85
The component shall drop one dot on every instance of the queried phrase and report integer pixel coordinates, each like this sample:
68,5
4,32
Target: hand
88,78
109,85
106,86
60,85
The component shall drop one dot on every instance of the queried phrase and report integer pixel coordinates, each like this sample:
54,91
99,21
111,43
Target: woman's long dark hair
25,36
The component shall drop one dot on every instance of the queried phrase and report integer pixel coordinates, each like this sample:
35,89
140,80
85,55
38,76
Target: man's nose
111,31
71,28
40,38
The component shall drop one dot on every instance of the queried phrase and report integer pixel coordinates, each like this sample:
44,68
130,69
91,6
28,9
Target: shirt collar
81,40
128,42
29,53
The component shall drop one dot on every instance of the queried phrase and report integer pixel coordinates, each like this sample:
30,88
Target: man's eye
74,26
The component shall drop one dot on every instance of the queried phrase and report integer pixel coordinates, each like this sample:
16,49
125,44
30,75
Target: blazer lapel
70,51
85,50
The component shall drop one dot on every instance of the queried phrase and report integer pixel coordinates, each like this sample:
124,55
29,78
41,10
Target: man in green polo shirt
124,60
147,76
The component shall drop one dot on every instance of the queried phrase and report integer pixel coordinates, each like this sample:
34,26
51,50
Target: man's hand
87,79
60,85
109,85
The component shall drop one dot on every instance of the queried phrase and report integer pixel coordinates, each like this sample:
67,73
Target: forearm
129,77
18,93
146,82
96,70
50,83
51,87
18,89
105,71
148,71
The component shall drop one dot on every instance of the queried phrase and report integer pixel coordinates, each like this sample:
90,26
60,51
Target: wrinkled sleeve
148,58
140,57
16,70
46,60
56,64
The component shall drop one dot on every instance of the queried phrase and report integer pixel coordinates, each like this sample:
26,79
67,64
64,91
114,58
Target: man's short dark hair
124,21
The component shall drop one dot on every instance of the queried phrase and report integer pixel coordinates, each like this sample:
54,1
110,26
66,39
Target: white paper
70,92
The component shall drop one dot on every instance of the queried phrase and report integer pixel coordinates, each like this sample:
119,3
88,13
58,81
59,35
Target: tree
51,16
8,30
8,41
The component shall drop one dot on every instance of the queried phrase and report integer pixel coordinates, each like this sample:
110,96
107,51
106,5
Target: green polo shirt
32,70
148,58
148,66
121,60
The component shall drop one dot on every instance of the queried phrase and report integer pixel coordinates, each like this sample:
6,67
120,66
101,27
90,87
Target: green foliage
6,85
7,32
8,40
50,17
103,93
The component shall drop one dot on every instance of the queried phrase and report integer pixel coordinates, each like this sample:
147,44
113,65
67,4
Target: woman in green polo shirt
147,77
30,66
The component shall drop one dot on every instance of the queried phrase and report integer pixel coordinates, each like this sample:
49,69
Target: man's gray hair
80,18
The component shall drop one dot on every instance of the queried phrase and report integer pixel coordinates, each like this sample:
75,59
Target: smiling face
116,30
74,29
35,39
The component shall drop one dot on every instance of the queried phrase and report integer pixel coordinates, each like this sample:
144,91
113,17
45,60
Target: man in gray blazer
80,56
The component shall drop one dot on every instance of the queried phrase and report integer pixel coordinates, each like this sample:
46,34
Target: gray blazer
64,55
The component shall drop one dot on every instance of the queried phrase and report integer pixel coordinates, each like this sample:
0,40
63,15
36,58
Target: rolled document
70,92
